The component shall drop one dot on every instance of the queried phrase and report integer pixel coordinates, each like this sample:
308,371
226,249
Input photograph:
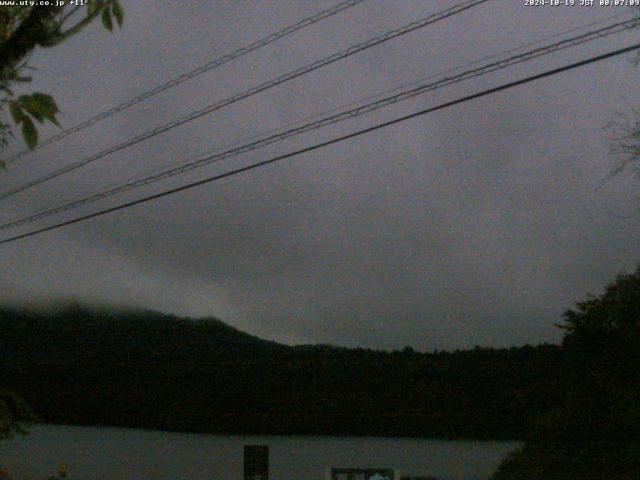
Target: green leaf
40,106
47,103
118,13
31,105
29,132
16,112
93,6
106,19
47,106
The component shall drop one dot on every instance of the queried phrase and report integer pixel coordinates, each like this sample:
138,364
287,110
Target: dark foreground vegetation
593,432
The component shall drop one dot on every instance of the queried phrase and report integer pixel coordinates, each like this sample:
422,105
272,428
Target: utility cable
253,91
331,119
335,140
305,22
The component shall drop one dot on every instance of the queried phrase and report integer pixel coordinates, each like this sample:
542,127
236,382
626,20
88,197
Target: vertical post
256,462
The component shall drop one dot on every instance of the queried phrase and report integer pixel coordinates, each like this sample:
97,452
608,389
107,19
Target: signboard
256,462
363,474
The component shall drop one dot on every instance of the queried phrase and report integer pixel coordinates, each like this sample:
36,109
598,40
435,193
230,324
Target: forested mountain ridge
137,368
80,334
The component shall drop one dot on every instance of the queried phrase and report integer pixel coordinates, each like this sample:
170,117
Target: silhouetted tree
594,431
608,323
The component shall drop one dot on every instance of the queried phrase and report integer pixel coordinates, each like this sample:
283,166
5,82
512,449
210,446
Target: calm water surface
127,454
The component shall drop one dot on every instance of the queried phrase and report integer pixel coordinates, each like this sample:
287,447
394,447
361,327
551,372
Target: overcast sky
480,224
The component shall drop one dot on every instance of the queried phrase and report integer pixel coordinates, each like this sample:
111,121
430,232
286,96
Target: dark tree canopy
593,430
609,322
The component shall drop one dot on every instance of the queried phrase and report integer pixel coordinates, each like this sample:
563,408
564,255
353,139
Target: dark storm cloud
480,224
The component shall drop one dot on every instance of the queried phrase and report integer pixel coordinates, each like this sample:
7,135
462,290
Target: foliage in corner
23,28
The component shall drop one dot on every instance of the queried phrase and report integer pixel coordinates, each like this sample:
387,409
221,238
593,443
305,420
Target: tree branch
69,14
62,36
33,31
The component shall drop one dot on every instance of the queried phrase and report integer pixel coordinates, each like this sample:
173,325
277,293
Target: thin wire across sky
207,67
366,108
327,143
299,72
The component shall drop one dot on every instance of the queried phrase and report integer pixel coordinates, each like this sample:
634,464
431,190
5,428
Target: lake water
128,454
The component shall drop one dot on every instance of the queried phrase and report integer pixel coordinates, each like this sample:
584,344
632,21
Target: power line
305,22
331,119
253,91
317,146
526,56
